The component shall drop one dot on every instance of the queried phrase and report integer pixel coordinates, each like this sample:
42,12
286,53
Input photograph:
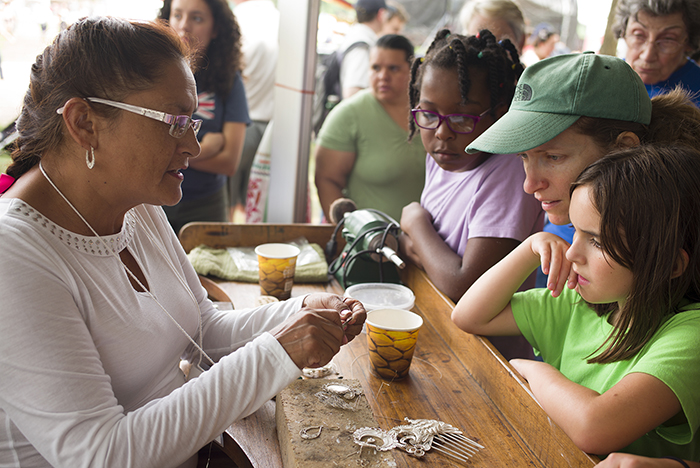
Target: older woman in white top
97,299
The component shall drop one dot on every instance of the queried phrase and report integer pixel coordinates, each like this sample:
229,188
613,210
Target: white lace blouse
89,370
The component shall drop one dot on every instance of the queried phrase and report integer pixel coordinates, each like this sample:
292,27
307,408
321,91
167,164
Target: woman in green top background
362,151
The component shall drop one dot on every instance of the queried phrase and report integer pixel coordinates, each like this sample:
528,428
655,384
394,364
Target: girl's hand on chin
551,249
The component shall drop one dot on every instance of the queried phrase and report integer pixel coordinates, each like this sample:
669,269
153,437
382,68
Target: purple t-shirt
487,201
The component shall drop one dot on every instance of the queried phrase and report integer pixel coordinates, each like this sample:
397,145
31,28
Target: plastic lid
382,296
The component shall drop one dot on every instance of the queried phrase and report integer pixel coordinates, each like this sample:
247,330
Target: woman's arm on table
601,423
625,460
452,274
485,307
333,169
221,152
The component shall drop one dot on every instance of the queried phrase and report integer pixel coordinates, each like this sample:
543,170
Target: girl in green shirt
622,352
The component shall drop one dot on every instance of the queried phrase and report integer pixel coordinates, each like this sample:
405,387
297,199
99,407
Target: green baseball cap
553,93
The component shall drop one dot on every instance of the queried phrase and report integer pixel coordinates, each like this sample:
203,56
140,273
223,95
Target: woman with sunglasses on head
98,302
660,35
209,27
472,210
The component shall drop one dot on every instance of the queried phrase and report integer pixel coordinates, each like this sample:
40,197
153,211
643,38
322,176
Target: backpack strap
332,77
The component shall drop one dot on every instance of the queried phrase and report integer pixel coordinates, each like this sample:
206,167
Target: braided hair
448,51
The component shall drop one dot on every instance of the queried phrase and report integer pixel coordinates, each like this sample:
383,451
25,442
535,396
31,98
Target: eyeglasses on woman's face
638,41
178,123
458,123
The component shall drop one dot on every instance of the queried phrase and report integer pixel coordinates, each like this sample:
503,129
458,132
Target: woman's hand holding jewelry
351,311
314,335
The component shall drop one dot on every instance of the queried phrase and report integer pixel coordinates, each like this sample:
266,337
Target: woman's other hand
314,335
351,311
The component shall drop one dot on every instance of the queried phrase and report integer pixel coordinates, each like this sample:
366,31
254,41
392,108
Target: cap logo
523,92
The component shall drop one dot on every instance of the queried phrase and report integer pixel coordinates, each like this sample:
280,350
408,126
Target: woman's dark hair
222,59
448,51
396,42
675,120
648,198
95,57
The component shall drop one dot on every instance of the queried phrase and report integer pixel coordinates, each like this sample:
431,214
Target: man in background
395,20
354,71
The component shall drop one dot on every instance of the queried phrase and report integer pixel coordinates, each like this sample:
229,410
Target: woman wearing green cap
571,110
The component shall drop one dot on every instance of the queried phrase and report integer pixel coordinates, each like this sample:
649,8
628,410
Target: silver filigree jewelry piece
339,396
375,438
306,435
419,436
319,372
90,162
344,391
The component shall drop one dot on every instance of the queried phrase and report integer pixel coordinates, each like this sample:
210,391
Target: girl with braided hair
473,211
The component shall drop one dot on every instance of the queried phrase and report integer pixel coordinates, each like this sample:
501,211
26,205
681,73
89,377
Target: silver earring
90,162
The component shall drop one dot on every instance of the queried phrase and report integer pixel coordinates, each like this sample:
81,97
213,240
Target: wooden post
609,46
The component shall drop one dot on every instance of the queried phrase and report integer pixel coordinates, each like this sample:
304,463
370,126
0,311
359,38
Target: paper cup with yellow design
277,263
391,338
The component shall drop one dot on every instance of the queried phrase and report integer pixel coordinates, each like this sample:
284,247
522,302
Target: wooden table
455,377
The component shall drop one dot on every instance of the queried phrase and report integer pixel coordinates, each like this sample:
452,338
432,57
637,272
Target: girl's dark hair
95,57
222,59
675,119
396,42
648,198
449,51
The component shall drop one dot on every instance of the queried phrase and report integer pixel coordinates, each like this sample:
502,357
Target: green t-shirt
565,331
389,172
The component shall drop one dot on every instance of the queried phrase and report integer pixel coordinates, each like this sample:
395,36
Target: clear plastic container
382,296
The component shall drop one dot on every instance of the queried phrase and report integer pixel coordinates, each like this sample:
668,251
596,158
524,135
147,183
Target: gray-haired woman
660,35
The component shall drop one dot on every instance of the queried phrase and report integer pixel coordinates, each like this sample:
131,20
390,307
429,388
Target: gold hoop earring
90,162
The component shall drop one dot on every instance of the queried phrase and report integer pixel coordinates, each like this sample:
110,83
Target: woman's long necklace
202,353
